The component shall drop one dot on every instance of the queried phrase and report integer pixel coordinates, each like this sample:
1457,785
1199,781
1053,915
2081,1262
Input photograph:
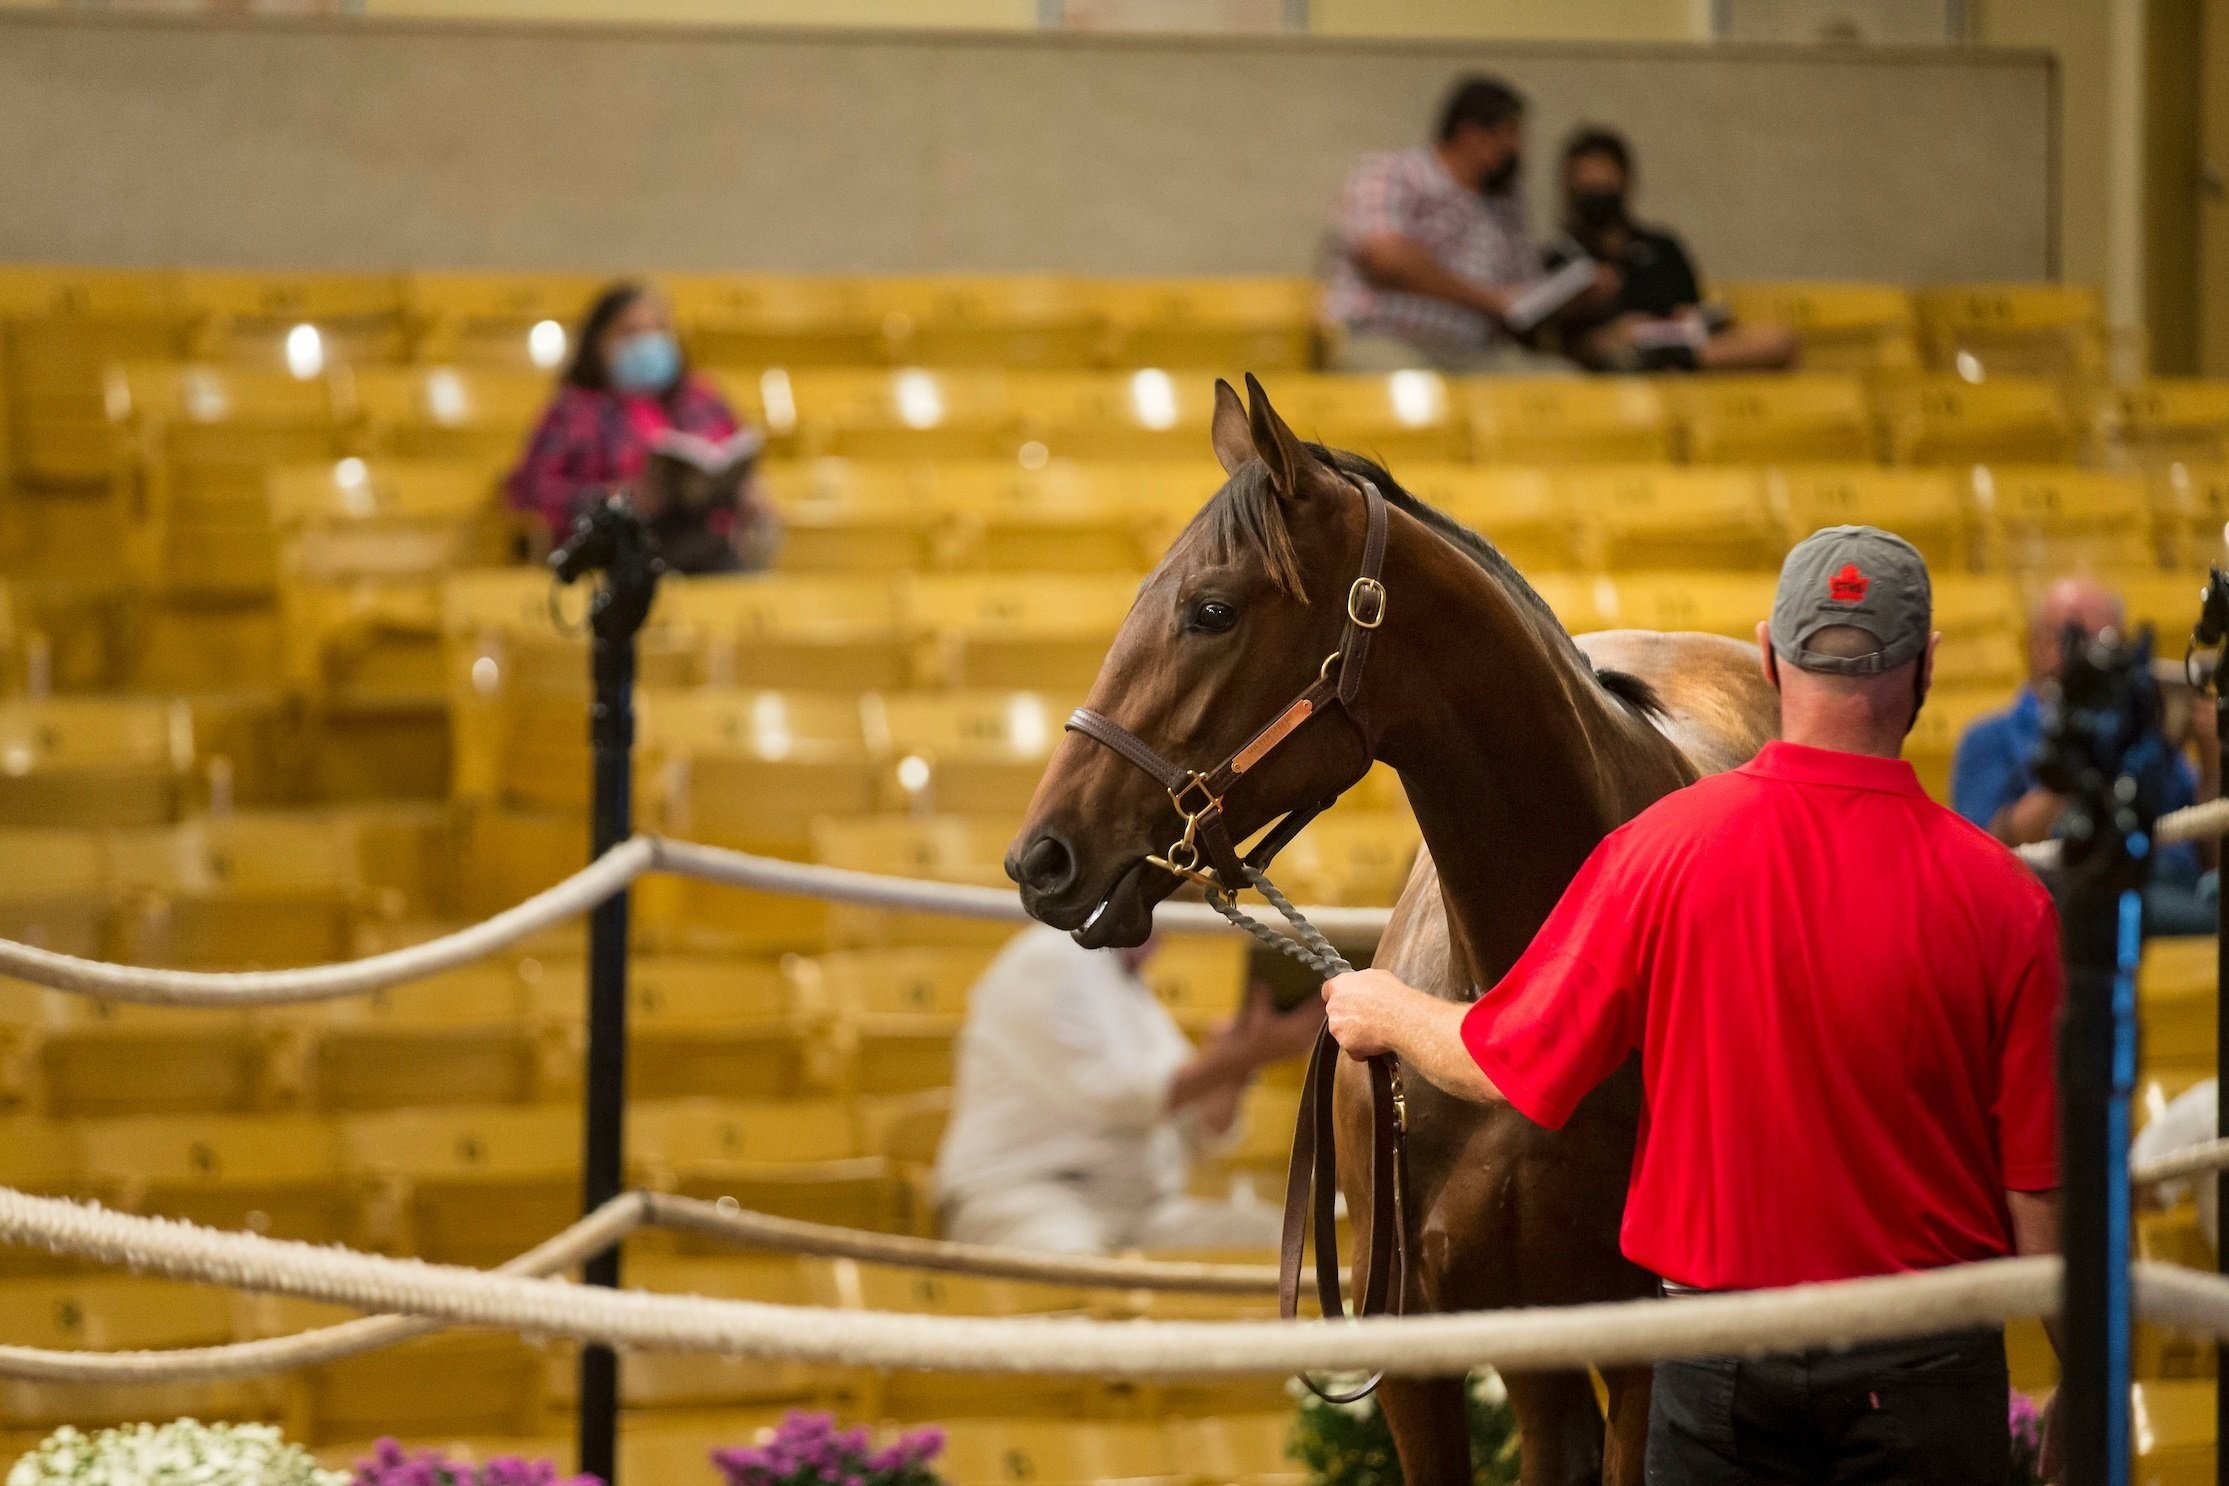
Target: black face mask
1592,211
1502,179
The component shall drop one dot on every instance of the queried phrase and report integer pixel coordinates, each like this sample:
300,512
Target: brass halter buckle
1373,591
1183,856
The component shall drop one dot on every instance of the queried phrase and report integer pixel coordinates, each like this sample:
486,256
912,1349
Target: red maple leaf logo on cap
1849,585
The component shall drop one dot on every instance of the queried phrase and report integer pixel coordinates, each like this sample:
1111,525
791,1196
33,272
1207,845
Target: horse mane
1245,515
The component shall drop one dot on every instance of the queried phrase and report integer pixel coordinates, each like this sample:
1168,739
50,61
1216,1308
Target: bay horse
1518,749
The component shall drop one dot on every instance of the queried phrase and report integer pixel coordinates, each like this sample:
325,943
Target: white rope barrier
561,1251
1842,1314
794,1235
578,893
608,874
2201,822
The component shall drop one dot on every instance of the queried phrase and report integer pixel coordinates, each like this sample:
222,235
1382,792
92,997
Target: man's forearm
2029,818
1427,1034
1394,262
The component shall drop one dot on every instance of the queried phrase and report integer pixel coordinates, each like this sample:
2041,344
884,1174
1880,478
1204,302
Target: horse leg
1431,1430
1561,1427
1628,1437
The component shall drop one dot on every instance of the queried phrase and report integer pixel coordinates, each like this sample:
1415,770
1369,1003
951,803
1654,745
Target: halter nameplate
1269,737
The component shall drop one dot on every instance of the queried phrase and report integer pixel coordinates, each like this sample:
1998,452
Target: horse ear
1234,441
1275,442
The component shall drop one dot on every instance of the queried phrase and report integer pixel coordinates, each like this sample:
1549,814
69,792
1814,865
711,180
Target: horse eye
1212,617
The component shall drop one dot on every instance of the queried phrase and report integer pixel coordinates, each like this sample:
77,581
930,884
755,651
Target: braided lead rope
1310,948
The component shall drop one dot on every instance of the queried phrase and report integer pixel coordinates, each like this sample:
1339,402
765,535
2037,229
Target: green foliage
1350,1445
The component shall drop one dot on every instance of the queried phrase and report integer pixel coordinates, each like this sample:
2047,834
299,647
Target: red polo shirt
1843,997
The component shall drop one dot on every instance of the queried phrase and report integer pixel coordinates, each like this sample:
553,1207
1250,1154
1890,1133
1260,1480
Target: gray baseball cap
1859,576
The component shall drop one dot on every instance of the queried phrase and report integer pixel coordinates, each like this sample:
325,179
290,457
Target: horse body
1517,754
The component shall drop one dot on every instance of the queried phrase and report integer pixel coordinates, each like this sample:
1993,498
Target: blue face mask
646,362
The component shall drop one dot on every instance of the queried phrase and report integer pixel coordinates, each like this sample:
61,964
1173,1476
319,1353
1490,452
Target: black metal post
2101,739
611,539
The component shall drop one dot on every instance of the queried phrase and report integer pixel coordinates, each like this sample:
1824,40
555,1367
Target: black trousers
1931,1410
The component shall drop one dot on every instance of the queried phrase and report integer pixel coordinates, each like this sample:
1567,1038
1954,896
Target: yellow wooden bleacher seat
734,320
1715,603
841,516
1981,620
1223,325
1038,632
2164,421
194,441
794,631
754,769
1006,320
1567,420
898,1011
2190,509
464,1032
1200,978
1395,419
477,414
2168,602
1925,507
278,1175
1146,414
1843,326
457,1385
258,315
102,1058
991,1451
2049,520
94,761
682,1380
1351,856
1246,1449
958,1395
237,891
2013,329
946,848
1253,1159
54,891
64,327
966,752
796,1158
110,1313
2004,420
1800,419
462,1184
1052,520
1522,511
699,1027
2172,1428
496,319
1933,742
1580,601
1665,516
908,413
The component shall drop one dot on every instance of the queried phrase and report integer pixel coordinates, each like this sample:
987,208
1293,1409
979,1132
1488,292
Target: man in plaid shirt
1430,245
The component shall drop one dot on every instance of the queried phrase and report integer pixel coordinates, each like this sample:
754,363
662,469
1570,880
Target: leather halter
1312,1178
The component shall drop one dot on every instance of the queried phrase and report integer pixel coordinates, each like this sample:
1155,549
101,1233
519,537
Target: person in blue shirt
1993,781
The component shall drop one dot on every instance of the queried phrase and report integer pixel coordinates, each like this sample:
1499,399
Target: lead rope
1312,949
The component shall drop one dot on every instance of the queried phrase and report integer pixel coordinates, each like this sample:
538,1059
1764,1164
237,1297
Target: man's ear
1765,657
1233,438
1275,442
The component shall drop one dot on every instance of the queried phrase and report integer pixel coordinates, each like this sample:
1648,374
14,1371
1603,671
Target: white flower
185,1453
1488,1388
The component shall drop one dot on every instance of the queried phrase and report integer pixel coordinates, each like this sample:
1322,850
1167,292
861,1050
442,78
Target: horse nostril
1047,865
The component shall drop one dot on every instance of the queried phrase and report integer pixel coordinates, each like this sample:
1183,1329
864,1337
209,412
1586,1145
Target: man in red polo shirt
1842,995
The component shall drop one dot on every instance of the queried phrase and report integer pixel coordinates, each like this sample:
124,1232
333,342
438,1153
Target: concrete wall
367,143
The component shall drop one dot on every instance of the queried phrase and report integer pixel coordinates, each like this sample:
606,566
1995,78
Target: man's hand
1364,1009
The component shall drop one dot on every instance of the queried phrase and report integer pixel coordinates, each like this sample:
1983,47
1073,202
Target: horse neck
1514,758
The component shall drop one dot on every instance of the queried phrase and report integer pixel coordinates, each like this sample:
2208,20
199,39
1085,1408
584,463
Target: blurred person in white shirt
1078,1105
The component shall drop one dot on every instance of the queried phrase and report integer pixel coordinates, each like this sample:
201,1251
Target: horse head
1243,615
